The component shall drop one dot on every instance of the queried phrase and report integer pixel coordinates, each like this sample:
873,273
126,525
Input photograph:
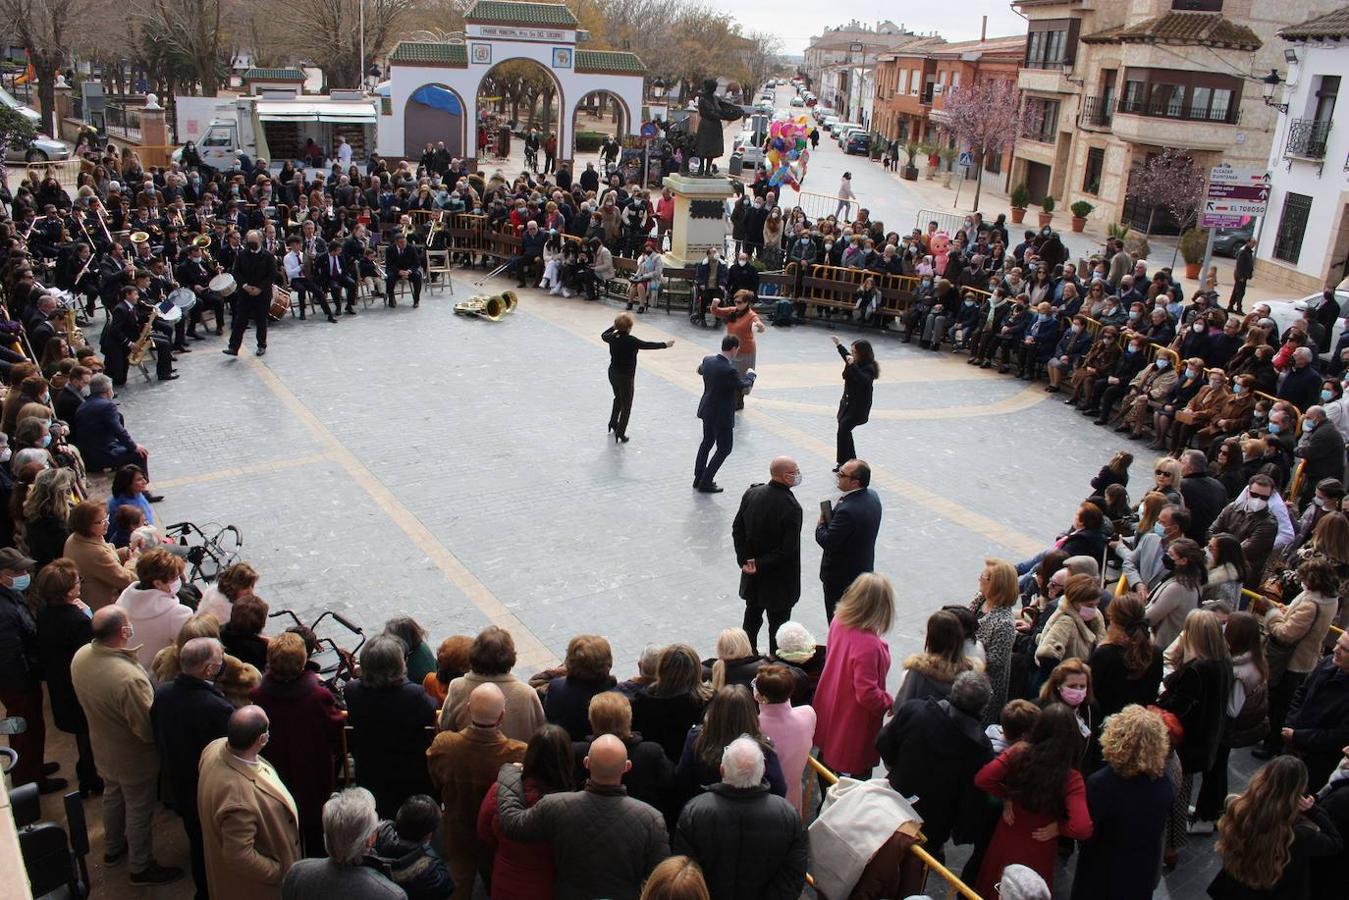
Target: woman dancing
623,349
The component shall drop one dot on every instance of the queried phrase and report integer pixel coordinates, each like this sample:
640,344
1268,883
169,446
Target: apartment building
1114,84
841,65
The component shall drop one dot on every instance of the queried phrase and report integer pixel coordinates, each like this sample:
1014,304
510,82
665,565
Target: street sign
966,158
1233,195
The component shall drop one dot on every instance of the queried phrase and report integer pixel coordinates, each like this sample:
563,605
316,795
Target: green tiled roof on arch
516,13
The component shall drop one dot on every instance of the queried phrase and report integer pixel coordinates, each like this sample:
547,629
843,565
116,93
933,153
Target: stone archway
600,111
522,93
435,112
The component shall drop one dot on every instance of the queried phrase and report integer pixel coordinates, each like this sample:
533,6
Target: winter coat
651,777
851,700
61,631
792,731
521,870
115,694
524,710
767,529
666,720
463,766
750,844
1122,858
1198,694
1319,717
103,577
1315,838
1302,624
1067,635
933,751
927,675
567,703
156,616
389,739
415,867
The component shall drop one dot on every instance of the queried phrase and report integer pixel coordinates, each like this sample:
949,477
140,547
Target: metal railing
1307,138
1178,109
122,121
1096,111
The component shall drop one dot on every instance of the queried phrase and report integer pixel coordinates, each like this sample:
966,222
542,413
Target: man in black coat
21,674
120,333
1204,495
403,262
1301,385
933,749
717,827
333,274
1317,727
254,272
848,533
187,714
721,384
767,535
1241,273
1322,448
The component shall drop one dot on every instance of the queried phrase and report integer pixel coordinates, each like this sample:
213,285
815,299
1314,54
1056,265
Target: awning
438,98
336,112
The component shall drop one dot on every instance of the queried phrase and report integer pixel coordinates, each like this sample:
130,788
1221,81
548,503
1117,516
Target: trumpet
489,308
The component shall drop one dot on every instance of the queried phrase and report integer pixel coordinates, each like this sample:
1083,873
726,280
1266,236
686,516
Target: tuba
489,308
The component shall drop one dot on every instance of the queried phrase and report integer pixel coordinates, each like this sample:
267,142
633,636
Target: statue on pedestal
708,143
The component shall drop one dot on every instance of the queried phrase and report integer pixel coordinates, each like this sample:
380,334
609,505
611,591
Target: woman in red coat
305,733
524,870
1043,798
851,700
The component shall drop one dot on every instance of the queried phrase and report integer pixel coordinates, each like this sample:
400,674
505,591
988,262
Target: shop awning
335,112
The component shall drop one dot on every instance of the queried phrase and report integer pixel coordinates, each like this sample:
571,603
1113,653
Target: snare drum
280,301
223,284
183,298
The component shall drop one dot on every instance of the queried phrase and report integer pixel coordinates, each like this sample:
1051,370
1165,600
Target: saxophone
143,340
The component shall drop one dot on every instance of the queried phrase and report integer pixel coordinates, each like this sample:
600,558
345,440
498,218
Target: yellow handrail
929,862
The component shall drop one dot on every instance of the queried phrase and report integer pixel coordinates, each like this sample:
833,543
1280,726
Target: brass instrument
100,211
63,321
139,237
137,354
489,308
176,218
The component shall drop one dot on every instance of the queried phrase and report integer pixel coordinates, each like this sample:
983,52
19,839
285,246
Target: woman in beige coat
103,576
491,658
1076,627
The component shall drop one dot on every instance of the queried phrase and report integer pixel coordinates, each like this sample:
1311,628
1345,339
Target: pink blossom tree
987,117
1172,180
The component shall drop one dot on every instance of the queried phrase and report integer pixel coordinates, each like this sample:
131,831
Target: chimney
983,30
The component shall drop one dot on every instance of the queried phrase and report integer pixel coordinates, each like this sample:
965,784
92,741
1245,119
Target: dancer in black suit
721,384
623,349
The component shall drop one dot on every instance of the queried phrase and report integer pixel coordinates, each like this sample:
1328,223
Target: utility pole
360,68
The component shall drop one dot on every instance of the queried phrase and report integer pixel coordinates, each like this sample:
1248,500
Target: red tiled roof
1203,29
1333,24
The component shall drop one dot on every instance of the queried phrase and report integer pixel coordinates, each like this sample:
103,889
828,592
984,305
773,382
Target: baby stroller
208,549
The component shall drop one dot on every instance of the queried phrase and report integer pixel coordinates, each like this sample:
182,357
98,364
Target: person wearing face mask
255,272
1251,521
1113,382
1037,346
1178,595
187,714
767,536
803,252
1075,628
151,603
1148,390
1183,392
1321,448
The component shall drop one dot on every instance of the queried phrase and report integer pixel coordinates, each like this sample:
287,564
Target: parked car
1284,312
1227,241
796,101
859,142
838,128
845,132
42,148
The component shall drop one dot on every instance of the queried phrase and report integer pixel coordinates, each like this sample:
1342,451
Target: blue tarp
438,98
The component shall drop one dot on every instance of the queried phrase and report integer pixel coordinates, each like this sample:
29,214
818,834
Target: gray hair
197,653
349,818
1083,565
742,763
650,658
970,693
30,455
382,662
1303,354
1317,412
100,384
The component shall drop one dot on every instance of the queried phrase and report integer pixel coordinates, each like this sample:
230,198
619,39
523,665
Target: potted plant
1020,200
1046,210
1193,243
910,172
948,155
1081,209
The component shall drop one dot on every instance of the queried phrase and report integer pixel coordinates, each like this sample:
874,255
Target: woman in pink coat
790,728
851,700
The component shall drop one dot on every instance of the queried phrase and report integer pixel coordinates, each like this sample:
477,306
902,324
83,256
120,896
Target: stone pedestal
699,218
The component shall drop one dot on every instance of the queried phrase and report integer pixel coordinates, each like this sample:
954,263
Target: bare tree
43,28
1171,179
326,33
192,30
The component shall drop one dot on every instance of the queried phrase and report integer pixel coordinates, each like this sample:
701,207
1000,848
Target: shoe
1070,402
985,365
114,858
332,319
1003,370
262,351
228,352
51,785
172,376
1120,429
620,438
1200,826
94,788
157,874
611,426
351,311
154,498
51,768
1264,753
1169,859
196,337
711,488
567,294
416,304
219,332
182,349
393,303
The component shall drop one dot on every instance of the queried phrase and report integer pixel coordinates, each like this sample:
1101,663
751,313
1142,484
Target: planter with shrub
1193,243
1046,210
910,172
1020,200
1080,209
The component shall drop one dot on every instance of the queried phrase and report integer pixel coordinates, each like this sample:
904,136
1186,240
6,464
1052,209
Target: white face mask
176,586
797,479
1256,504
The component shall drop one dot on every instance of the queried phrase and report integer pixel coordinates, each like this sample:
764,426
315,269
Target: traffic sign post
1234,194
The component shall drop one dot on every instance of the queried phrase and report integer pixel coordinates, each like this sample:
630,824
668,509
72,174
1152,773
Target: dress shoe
351,310
332,319
94,788
114,858
172,376
51,785
228,352
392,303
196,337
262,351
416,304
219,332
157,874
51,768
711,488
620,438
1264,753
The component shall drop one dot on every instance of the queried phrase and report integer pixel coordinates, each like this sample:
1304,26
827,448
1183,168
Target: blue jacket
723,272
100,434
849,537
721,381
1073,345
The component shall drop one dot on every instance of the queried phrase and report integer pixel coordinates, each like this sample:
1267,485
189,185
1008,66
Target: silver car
42,148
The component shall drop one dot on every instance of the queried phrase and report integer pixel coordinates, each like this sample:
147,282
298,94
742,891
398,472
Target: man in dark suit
70,398
721,382
403,262
255,272
100,435
188,713
1321,448
1241,273
122,329
848,535
333,275
767,535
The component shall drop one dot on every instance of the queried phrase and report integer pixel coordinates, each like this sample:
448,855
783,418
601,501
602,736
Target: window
1044,119
1197,5
993,162
1325,97
1045,49
1292,225
1091,178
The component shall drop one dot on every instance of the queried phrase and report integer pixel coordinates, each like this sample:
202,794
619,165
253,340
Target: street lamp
1268,85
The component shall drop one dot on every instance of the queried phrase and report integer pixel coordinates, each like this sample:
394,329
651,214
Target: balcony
1096,112
1176,109
1307,138
1045,80
1173,125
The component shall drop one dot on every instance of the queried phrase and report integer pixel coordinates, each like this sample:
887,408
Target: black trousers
704,469
1280,698
414,278
622,383
245,308
337,287
846,449
207,300
705,297
306,292
196,850
754,616
833,592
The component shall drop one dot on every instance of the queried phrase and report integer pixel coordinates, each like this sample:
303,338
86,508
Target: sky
795,21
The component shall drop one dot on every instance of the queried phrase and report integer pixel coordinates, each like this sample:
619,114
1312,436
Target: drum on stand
183,298
280,302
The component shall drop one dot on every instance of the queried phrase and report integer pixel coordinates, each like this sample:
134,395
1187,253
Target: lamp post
360,65
1268,85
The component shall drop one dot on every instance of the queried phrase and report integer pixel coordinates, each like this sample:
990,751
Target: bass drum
280,302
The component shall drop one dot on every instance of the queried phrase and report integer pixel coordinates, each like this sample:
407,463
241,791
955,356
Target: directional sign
966,158
1234,194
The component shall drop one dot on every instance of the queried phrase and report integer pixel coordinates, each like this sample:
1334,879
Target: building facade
841,66
1305,239
1115,84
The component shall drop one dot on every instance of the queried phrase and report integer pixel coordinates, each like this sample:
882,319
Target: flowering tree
1170,179
987,117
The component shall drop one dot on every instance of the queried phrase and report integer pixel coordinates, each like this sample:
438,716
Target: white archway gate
497,31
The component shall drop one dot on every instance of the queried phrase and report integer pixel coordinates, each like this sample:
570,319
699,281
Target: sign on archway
497,31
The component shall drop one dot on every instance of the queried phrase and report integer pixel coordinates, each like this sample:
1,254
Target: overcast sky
795,22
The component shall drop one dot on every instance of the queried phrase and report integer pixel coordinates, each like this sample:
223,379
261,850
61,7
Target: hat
14,560
795,643
1020,882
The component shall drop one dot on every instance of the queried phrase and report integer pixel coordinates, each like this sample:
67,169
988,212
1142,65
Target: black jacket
767,529
413,866
651,777
408,259
256,269
1314,837
19,666
187,714
567,703
666,720
1197,694
1122,859
61,630
858,387
750,844
389,740
932,750
849,538
1319,717
1205,497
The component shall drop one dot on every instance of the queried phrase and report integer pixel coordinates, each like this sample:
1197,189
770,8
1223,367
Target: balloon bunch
788,156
